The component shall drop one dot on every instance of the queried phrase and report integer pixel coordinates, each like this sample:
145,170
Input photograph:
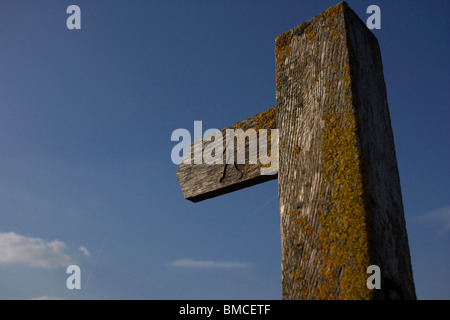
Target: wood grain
204,181
340,198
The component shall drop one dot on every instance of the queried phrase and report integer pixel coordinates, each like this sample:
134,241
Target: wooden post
340,199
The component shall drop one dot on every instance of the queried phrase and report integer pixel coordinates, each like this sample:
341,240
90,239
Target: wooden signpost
341,207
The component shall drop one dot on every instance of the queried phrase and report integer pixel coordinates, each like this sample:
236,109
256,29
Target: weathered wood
340,199
203,181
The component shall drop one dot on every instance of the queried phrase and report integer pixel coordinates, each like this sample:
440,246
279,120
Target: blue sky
86,118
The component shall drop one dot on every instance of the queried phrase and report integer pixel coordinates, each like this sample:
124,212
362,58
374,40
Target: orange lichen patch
307,230
304,226
301,221
297,275
332,12
348,97
346,79
304,291
309,33
335,32
282,48
296,149
266,119
294,213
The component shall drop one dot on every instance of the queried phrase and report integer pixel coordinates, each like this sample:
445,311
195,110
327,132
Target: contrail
265,203
95,263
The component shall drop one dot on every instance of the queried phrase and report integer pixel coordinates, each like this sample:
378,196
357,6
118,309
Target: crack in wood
225,167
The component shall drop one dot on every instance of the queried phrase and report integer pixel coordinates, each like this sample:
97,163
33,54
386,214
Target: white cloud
33,252
439,216
47,298
85,251
190,263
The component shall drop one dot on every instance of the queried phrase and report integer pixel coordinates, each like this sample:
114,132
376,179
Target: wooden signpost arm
204,181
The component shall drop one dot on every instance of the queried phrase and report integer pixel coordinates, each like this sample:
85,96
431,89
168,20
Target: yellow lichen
335,32
294,213
332,12
282,48
304,226
297,275
310,33
307,230
343,239
346,79
266,119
